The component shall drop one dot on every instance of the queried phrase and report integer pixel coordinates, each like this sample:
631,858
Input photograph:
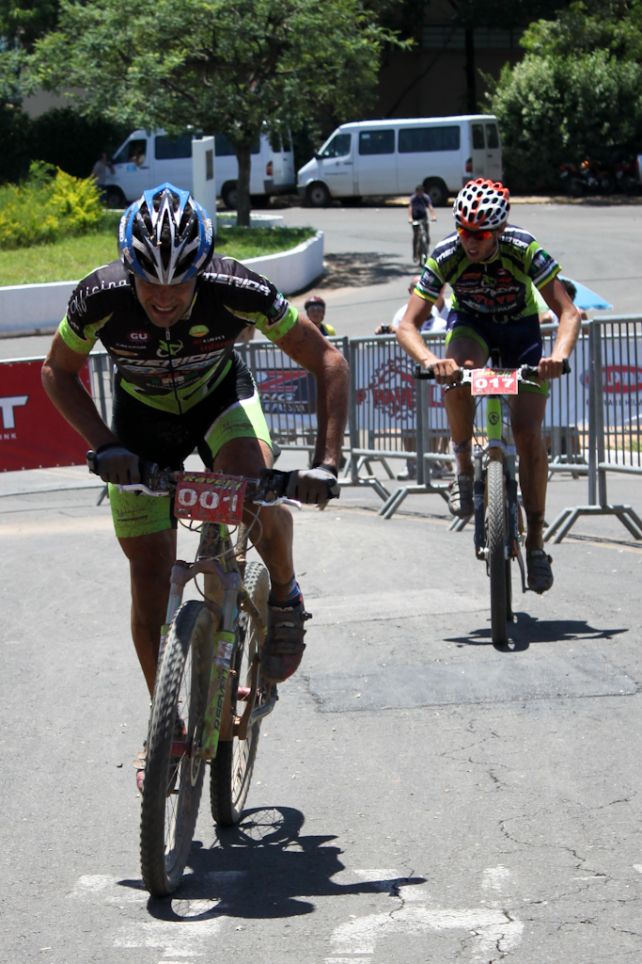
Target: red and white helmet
482,204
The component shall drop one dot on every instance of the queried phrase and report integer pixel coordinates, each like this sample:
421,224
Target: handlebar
270,488
524,372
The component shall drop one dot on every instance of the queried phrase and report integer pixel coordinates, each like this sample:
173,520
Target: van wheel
230,195
437,191
114,197
317,195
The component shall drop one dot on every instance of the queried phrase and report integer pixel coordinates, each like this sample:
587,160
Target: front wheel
317,195
498,562
174,768
231,769
423,245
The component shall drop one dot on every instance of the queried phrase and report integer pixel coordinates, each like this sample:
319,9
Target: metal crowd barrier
614,377
592,424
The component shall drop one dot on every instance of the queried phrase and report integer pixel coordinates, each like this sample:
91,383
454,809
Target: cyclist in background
168,313
419,206
491,267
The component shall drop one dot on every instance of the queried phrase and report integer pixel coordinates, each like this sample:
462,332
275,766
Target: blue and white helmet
165,237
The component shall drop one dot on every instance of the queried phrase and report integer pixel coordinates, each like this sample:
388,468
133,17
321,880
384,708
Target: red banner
33,434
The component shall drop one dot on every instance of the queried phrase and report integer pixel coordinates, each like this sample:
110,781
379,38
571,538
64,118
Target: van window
170,148
415,139
478,137
492,135
377,142
338,146
223,146
132,151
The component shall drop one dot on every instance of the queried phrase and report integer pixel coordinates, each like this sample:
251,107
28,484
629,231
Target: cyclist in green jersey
492,268
169,312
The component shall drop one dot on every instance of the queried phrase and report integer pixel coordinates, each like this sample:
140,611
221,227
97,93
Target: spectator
548,317
315,310
436,320
101,171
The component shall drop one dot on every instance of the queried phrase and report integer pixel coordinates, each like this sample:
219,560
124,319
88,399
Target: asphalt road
419,798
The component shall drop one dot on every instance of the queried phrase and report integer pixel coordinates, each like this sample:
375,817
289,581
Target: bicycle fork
225,609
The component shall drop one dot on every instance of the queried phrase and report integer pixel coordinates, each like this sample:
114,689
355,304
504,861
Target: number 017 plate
487,381
210,497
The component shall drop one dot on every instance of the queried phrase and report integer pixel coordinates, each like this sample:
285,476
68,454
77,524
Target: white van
391,157
147,158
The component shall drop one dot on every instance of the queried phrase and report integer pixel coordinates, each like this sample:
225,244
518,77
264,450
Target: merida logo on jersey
168,349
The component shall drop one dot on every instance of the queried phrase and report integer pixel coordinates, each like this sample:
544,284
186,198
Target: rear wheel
231,769
437,191
174,769
230,195
497,562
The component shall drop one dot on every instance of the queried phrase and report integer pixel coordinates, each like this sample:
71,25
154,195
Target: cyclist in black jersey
168,312
492,268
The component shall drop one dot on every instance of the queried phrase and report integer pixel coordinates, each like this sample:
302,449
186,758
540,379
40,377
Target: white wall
37,309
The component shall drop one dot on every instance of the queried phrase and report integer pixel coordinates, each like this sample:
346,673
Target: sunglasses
467,235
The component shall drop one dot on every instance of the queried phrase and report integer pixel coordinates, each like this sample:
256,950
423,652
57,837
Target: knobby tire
496,539
173,784
231,769
423,246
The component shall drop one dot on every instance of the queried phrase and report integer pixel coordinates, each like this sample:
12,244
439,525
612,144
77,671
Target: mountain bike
209,696
498,517
421,240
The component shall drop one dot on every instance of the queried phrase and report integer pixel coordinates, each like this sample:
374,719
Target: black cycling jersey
173,369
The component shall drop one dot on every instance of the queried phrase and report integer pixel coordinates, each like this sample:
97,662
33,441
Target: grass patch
72,258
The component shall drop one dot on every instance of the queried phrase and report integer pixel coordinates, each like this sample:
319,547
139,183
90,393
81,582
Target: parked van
147,158
390,157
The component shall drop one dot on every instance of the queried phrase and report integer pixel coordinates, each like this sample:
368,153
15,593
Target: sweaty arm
570,321
305,344
61,383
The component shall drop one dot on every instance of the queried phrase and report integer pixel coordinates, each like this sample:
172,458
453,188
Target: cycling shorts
519,340
232,411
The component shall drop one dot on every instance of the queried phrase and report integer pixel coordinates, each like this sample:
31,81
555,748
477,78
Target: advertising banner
32,433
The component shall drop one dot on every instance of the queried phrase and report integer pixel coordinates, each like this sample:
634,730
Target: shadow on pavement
527,629
262,869
360,270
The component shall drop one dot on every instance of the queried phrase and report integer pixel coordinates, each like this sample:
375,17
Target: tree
20,26
218,65
577,92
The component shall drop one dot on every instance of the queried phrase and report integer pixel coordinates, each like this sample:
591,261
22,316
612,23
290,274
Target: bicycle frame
218,561
500,446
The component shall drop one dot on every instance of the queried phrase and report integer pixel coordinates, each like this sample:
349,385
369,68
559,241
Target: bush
72,142
15,137
59,137
49,205
555,110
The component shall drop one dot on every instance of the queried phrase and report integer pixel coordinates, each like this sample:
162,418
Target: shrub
49,205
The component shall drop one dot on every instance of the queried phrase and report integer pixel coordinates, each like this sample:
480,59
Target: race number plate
486,381
210,497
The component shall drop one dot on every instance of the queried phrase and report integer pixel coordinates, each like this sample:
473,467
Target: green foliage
214,65
60,136
574,95
49,205
15,137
